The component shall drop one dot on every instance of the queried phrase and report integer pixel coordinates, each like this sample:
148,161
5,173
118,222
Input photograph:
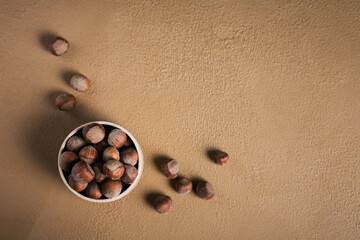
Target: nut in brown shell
111,153
111,188
99,175
221,158
117,138
77,186
93,133
66,160
79,82
113,169
59,46
88,154
170,168
163,204
82,172
65,102
183,185
129,155
93,191
129,175
205,190
75,143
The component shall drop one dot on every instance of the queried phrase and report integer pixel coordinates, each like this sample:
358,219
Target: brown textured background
273,83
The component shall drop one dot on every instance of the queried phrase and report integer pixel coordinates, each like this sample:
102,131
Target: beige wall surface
274,83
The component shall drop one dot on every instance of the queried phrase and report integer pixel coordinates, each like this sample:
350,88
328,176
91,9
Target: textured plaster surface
273,83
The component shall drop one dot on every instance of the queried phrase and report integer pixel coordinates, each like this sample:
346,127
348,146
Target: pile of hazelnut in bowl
100,162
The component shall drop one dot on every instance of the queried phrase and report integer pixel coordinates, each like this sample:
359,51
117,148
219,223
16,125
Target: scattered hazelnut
130,174
111,153
77,186
65,102
205,190
93,190
66,160
101,146
163,204
59,46
93,133
79,82
99,175
129,155
75,143
88,154
113,169
183,185
117,138
170,168
111,188
221,158
82,172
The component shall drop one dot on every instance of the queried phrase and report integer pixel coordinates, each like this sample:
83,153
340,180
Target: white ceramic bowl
124,193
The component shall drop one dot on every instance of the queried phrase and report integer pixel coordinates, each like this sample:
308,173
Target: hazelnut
205,190
93,190
65,102
101,146
129,155
77,186
163,204
221,158
88,154
170,168
130,174
79,82
111,153
99,175
75,143
82,172
113,169
66,160
117,138
93,133
59,46
183,185
111,188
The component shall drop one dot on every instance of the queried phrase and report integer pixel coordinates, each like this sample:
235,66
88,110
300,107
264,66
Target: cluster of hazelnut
79,82
97,164
183,185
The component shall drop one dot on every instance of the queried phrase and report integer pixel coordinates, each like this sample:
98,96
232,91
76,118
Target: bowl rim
140,163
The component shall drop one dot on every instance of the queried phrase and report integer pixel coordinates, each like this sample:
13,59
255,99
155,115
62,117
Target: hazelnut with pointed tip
93,190
117,138
221,158
66,160
79,82
75,143
163,204
113,169
99,175
170,168
111,188
129,155
93,133
129,175
88,154
65,102
183,185
82,172
205,190
111,153
77,186
59,46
